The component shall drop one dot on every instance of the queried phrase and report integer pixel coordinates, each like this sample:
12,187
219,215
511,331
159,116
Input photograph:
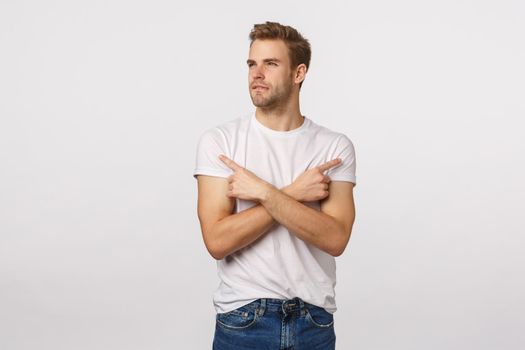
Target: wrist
288,190
266,190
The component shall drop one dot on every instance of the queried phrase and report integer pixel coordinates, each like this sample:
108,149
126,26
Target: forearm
310,225
238,230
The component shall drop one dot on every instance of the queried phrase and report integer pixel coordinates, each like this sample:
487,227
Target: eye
272,63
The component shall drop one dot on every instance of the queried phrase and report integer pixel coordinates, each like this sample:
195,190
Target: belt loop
301,303
283,302
302,308
262,307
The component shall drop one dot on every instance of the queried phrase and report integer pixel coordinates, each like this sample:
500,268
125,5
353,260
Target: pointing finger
329,164
230,163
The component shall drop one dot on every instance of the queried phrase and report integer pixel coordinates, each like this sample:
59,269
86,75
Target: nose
257,72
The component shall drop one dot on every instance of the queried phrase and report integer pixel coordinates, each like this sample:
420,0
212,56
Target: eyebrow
265,60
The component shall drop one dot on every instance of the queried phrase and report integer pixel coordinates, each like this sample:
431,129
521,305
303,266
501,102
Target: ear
300,73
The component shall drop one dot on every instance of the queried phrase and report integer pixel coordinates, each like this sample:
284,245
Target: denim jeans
275,324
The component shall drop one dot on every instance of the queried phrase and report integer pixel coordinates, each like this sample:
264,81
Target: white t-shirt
278,264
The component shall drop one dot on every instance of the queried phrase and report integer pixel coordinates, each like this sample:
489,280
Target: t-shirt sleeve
211,143
345,171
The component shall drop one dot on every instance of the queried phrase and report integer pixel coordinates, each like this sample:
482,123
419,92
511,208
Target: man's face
270,77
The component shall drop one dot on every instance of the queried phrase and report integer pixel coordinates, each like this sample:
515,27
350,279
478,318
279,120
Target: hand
244,184
312,185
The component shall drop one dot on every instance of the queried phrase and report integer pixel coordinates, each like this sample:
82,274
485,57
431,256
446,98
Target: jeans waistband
286,306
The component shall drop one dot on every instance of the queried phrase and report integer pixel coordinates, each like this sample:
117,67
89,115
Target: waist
283,306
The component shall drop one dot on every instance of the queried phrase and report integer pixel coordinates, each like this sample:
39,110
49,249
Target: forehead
267,48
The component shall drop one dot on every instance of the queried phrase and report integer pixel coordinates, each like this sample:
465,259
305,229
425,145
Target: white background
101,107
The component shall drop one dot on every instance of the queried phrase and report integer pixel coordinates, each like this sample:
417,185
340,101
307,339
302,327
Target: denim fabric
275,324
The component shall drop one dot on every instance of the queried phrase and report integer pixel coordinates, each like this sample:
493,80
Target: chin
258,103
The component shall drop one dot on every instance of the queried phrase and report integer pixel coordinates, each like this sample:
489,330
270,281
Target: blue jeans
275,324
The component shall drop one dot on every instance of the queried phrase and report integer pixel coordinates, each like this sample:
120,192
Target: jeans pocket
240,318
319,317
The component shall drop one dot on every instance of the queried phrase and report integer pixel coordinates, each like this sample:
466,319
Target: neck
283,117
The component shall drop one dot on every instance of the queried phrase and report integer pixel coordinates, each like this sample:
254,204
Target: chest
280,161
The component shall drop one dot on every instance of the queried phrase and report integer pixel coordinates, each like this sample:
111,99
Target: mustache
252,85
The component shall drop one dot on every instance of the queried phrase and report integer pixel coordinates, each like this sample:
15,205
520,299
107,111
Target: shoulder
224,131
328,136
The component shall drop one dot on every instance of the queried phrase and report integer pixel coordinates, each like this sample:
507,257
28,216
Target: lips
259,86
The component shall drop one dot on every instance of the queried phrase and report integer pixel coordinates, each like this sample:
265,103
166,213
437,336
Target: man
269,215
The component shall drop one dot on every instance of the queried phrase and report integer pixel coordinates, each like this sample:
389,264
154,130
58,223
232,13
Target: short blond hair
298,47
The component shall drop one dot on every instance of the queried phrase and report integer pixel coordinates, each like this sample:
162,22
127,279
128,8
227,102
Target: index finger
230,163
331,163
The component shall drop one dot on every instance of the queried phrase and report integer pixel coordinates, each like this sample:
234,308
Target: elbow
216,243
340,244
216,255
337,251
215,249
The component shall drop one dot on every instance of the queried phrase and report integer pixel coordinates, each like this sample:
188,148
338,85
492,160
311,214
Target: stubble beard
274,100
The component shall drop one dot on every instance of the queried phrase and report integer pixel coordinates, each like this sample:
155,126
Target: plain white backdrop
101,107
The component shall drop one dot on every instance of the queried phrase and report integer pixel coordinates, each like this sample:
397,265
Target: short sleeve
211,143
345,171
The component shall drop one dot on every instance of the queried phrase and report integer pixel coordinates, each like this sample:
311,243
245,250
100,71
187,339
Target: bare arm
224,232
329,233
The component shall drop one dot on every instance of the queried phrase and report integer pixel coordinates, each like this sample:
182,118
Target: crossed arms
225,233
